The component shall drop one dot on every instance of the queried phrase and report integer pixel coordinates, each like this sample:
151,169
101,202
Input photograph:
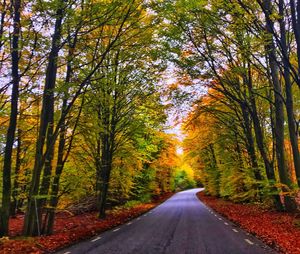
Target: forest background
87,87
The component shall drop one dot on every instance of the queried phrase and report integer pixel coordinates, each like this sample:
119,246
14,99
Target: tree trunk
49,221
97,161
50,216
62,157
214,166
32,223
106,166
295,13
2,22
289,96
14,204
279,110
10,137
250,143
260,142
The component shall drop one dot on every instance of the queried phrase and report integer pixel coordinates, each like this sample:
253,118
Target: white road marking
234,230
129,223
248,241
68,252
150,212
220,218
94,240
138,218
145,215
226,223
115,230
216,215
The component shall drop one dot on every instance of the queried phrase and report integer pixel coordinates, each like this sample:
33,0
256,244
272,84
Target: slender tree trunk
106,152
250,143
15,192
279,110
104,191
295,13
270,172
2,21
49,222
108,146
106,166
97,161
49,218
61,159
289,96
214,166
239,153
45,185
32,223
10,137
240,186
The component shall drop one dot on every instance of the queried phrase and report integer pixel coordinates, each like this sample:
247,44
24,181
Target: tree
230,52
47,133
10,137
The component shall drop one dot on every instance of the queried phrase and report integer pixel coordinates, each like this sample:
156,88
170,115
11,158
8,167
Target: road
181,225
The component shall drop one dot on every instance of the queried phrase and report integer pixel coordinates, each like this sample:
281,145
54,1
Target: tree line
81,112
242,132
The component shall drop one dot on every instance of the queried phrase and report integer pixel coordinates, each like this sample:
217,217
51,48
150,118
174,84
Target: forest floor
69,229
279,230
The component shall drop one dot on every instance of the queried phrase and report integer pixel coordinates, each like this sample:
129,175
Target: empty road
181,225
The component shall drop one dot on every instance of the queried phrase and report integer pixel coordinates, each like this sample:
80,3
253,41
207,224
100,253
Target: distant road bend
181,225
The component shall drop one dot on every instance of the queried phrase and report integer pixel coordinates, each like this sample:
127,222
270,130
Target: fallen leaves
276,229
69,229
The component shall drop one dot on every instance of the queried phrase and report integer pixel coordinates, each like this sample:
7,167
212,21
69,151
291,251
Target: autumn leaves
242,134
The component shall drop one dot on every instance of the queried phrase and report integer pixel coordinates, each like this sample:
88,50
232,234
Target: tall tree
32,219
288,90
279,105
10,137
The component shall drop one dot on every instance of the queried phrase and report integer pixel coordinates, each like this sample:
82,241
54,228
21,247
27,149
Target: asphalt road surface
181,225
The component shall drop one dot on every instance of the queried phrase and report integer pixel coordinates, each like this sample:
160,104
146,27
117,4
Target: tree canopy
90,90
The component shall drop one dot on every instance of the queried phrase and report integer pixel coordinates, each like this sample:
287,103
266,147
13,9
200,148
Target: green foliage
144,185
132,203
183,181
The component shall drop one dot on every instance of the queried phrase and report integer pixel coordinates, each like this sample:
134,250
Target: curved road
180,225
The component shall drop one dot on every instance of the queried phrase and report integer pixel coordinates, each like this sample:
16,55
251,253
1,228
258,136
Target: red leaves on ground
69,229
76,228
18,247
277,229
